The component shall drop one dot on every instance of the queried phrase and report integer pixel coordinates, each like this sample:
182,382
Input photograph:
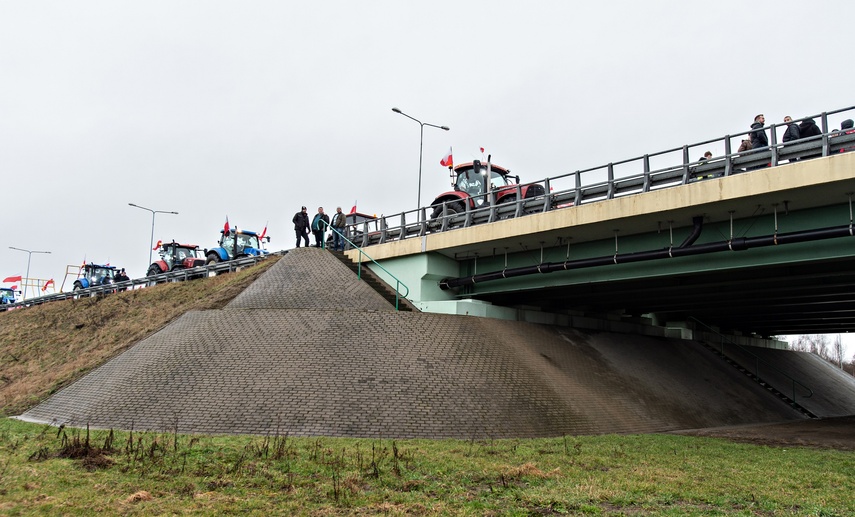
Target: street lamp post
421,142
153,213
29,256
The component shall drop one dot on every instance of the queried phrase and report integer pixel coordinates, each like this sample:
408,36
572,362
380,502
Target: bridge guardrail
622,178
138,283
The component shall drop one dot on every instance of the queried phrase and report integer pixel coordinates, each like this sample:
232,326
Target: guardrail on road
139,283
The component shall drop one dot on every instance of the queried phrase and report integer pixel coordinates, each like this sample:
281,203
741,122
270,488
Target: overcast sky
251,109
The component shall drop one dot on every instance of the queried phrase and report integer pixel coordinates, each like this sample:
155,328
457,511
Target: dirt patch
825,433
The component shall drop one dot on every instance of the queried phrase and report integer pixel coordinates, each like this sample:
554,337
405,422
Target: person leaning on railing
846,128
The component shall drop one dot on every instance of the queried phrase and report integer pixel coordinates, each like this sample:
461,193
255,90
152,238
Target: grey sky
252,109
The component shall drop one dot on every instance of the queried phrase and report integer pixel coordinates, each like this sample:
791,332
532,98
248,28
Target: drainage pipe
738,244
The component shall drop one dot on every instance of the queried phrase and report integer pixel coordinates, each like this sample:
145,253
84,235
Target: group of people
318,227
757,138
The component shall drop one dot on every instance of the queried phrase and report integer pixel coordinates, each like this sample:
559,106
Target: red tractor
473,182
174,256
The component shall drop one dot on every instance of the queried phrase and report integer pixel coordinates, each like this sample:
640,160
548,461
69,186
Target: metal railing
173,276
398,283
664,169
724,340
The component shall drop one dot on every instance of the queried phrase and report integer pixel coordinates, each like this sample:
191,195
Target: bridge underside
812,298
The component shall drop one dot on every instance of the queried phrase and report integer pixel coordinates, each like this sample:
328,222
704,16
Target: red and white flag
353,209
12,279
159,242
263,232
226,226
48,283
448,161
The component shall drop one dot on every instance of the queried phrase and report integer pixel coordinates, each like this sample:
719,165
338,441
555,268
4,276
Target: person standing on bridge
318,227
339,221
758,136
759,140
301,226
791,134
809,129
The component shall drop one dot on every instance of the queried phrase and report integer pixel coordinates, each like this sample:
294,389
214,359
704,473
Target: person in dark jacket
847,127
792,133
319,228
301,226
758,136
809,129
759,140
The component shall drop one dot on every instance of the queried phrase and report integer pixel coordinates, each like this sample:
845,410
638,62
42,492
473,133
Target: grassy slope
44,471
46,347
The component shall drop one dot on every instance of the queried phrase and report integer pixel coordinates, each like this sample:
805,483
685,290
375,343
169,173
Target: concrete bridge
759,253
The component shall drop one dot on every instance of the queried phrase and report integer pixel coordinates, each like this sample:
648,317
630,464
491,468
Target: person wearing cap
121,276
301,226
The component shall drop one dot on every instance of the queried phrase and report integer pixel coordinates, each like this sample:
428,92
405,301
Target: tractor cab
476,179
236,243
92,275
473,184
177,256
7,296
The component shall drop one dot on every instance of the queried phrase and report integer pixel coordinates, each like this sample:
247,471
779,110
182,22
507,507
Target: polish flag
14,287
159,242
12,279
226,226
482,150
263,232
48,283
353,210
448,161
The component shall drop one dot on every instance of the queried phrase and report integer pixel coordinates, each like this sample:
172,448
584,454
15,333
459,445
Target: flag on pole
263,232
49,282
15,287
159,242
12,279
353,209
448,161
482,150
226,226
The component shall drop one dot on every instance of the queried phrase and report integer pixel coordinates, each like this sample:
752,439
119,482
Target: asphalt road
827,433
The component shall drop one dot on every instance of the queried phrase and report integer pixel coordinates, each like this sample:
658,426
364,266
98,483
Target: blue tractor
92,275
235,244
7,296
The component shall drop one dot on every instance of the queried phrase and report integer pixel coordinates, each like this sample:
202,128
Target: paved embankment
310,350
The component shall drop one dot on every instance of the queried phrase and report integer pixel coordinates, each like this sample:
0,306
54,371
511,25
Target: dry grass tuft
142,495
529,470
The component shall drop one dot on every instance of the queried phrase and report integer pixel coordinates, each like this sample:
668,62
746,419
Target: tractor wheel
153,270
212,259
76,290
507,200
451,209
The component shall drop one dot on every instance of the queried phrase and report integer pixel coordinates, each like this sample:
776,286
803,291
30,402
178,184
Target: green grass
48,471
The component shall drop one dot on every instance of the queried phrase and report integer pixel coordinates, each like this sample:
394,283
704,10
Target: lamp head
396,110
